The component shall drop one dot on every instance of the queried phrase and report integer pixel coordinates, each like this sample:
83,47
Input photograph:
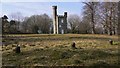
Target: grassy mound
38,50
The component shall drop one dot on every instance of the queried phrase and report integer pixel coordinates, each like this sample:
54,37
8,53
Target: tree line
34,24
97,18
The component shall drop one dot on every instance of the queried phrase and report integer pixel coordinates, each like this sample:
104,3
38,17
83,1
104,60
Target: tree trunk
110,21
92,17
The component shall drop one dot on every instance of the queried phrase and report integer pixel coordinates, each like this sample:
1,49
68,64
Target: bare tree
85,26
17,17
107,14
90,10
37,24
118,29
5,24
73,23
13,27
102,14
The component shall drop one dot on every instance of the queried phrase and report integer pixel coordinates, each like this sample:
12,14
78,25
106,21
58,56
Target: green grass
37,50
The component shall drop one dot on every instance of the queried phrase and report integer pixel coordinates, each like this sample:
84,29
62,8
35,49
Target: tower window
61,20
59,25
62,31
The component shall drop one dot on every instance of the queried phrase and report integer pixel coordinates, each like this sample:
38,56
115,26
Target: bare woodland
97,18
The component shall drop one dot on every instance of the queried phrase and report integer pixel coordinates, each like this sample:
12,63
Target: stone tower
59,22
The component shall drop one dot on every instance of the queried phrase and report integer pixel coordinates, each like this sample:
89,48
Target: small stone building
59,22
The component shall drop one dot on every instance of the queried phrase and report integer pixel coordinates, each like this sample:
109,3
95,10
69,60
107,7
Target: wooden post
111,42
73,45
17,49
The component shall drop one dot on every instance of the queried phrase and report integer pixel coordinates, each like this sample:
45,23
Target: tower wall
55,19
65,22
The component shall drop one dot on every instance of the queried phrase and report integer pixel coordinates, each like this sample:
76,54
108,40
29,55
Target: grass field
39,50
